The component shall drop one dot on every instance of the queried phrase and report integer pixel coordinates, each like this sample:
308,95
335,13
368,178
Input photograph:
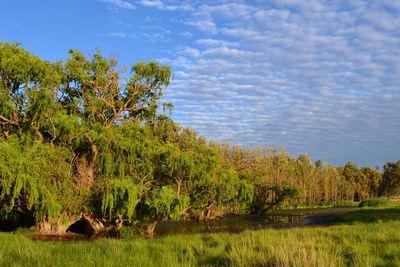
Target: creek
239,223
229,223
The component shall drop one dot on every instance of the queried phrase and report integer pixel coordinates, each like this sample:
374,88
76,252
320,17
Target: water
238,223
226,224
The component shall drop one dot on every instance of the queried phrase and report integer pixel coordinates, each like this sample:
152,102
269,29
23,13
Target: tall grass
372,244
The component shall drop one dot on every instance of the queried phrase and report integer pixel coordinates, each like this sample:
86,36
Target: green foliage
120,197
374,179
174,166
164,203
33,179
226,187
124,151
245,195
93,89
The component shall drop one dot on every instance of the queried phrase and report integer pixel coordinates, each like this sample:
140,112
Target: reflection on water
237,224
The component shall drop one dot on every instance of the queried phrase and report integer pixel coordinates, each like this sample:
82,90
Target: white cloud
319,77
226,10
162,5
186,34
117,34
205,25
382,19
188,51
122,4
241,33
216,43
232,53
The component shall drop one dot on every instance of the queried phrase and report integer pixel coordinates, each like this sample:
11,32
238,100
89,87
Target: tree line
81,136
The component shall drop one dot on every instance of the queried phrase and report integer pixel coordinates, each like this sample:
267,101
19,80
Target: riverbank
352,242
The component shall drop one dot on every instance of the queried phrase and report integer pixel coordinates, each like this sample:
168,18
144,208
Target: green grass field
368,237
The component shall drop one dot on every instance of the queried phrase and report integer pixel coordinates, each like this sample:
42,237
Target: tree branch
8,120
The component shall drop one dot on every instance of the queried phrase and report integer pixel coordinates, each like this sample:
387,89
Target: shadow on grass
218,260
366,216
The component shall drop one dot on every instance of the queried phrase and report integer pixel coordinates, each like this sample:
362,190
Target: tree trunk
150,229
51,227
209,210
86,169
85,174
178,184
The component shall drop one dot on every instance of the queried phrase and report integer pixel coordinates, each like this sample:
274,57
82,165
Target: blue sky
317,77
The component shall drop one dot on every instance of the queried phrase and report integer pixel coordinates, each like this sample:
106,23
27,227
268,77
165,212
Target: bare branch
8,120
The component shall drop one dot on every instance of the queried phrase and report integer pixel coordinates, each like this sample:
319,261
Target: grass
366,237
371,215
363,244
319,204
375,202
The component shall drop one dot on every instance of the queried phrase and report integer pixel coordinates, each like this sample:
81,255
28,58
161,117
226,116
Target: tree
391,179
357,179
374,180
28,90
83,108
95,91
35,180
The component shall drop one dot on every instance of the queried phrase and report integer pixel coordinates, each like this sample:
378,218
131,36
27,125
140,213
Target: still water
226,224
239,223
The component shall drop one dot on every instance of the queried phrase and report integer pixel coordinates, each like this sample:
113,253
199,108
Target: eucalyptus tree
356,179
374,180
391,179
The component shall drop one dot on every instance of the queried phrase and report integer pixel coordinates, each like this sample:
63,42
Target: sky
317,77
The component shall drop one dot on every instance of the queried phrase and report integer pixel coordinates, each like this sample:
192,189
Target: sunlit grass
317,204
360,244
365,237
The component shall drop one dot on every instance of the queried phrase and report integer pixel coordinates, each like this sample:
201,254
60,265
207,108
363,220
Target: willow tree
95,91
81,106
28,91
34,176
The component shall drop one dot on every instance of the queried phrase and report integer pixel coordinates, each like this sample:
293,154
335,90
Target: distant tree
319,164
262,201
391,179
374,180
357,179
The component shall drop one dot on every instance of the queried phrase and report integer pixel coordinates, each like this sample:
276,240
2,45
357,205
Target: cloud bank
318,77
